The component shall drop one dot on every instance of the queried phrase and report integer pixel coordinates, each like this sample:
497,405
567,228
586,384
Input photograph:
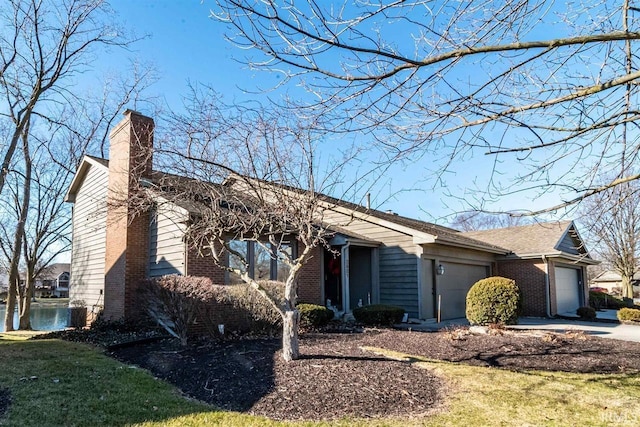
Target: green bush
378,314
493,300
629,315
314,316
588,313
601,300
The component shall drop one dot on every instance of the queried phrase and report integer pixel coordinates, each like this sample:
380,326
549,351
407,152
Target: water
44,317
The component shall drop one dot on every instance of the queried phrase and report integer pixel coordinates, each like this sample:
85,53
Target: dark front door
332,275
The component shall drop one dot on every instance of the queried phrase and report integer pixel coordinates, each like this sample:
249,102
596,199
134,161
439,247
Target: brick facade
310,279
530,278
203,266
127,231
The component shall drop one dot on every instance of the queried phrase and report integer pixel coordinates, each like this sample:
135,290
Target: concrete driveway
607,328
616,331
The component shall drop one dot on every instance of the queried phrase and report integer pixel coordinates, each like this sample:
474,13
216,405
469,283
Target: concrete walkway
607,328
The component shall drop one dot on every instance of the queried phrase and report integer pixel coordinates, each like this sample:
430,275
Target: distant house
53,281
382,258
612,282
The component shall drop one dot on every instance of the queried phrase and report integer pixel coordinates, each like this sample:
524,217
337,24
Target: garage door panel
567,289
454,286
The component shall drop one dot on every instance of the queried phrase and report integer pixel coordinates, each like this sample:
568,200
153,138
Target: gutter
547,285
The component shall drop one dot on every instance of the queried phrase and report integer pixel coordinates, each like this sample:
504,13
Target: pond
45,316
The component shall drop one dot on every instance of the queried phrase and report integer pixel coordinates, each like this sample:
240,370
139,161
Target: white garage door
567,289
454,285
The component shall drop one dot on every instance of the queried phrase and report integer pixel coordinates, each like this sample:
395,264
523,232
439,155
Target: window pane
262,266
286,251
235,261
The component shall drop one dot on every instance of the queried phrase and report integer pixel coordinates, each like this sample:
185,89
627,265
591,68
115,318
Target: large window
264,262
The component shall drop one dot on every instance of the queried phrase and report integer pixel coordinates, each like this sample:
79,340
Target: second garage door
454,285
567,289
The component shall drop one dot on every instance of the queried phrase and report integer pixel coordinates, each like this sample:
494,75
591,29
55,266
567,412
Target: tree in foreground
254,196
613,222
47,123
550,87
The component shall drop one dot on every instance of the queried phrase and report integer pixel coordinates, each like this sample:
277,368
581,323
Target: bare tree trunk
627,287
11,303
25,302
290,343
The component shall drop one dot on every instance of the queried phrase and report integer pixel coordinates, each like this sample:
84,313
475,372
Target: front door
332,278
427,307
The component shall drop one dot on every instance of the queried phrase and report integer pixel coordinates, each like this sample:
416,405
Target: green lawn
76,385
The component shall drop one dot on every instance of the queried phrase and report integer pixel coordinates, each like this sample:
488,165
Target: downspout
547,285
344,251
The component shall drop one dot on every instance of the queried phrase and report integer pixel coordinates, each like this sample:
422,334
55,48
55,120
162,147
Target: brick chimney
127,228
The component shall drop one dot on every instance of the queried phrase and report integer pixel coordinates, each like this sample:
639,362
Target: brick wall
127,228
203,266
310,279
530,278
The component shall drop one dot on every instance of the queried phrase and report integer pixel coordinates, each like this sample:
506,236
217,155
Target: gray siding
570,245
166,247
88,239
398,262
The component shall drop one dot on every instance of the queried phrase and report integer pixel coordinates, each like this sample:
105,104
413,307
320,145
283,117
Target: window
263,262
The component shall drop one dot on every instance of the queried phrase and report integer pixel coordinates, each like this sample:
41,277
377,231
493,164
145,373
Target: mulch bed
335,378
5,400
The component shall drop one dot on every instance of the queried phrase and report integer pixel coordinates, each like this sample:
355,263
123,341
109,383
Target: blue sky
186,45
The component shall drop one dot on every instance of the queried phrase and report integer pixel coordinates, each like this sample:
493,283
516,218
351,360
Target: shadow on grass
52,382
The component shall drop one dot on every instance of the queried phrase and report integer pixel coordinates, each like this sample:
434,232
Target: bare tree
253,194
613,221
43,46
551,87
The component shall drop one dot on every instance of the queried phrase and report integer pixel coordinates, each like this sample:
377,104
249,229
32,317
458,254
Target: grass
75,385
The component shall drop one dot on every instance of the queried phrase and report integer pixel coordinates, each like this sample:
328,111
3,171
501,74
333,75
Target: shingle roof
538,238
444,235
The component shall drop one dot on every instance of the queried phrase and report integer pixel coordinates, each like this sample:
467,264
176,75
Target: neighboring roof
612,276
534,240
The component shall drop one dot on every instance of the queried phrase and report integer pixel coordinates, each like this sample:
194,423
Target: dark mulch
332,379
570,352
335,377
5,400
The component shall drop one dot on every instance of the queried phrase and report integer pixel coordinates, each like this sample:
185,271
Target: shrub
588,313
602,300
174,301
378,314
629,315
261,316
314,316
493,300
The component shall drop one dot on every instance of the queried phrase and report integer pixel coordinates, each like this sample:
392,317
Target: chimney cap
129,111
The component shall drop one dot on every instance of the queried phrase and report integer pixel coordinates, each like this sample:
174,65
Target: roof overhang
575,259
86,163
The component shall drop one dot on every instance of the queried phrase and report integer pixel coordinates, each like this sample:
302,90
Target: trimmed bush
629,315
602,300
378,314
588,313
261,316
314,316
174,301
493,300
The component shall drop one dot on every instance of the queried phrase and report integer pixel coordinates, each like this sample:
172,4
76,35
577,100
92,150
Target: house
383,258
612,282
548,262
52,281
